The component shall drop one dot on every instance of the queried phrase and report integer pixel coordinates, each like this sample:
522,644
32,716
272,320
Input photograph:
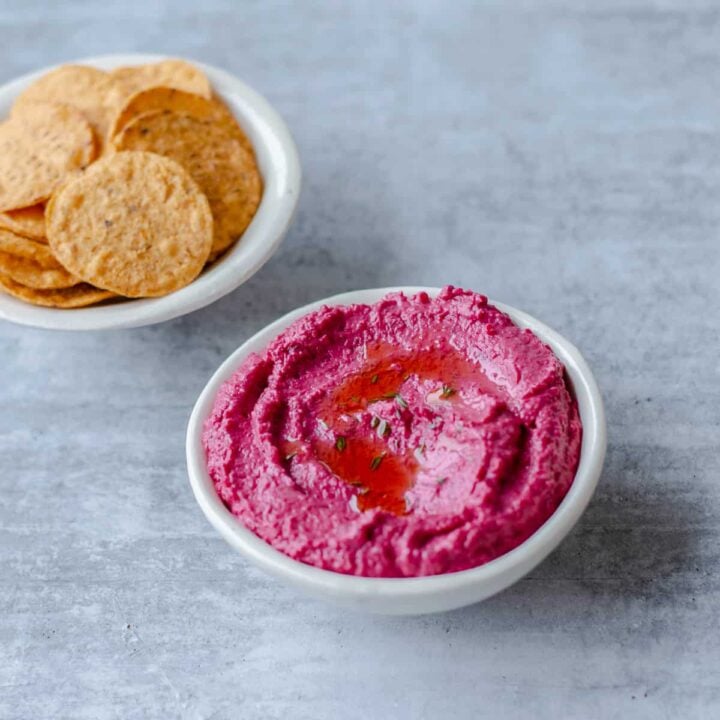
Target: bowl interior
280,168
494,575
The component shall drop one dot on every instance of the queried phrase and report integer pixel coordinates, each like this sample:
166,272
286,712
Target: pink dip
415,436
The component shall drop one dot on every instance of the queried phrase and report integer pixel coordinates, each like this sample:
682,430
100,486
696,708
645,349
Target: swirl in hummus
415,436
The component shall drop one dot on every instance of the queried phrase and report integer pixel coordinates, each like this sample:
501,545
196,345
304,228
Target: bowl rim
279,164
524,557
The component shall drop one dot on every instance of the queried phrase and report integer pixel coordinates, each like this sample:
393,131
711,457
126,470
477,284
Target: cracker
34,275
38,149
23,247
239,132
172,73
91,91
166,98
134,223
73,297
28,222
223,168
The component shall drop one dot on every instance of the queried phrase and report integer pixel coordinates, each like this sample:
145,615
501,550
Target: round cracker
34,275
134,223
38,149
23,247
155,99
166,73
219,102
28,222
30,263
77,296
91,91
223,168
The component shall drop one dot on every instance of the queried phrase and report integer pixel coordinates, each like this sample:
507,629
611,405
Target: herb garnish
447,391
375,462
383,428
386,396
374,421
340,443
291,455
400,400
374,379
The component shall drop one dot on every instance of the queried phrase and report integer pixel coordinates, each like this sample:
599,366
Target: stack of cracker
120,184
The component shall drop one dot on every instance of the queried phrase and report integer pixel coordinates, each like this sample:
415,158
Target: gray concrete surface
563,157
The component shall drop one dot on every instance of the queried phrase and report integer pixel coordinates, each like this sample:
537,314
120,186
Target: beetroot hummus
415,436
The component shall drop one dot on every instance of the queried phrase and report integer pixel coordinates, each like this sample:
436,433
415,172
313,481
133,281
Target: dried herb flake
447,391
383,428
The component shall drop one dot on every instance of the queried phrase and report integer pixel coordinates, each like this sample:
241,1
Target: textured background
563,157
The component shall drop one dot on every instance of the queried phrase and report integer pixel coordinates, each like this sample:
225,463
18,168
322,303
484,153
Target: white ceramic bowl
280,168
407,596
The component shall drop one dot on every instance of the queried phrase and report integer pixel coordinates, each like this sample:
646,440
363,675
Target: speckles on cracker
134,223
224,169
38,149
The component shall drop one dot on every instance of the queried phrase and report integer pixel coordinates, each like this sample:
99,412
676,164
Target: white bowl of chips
30,259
